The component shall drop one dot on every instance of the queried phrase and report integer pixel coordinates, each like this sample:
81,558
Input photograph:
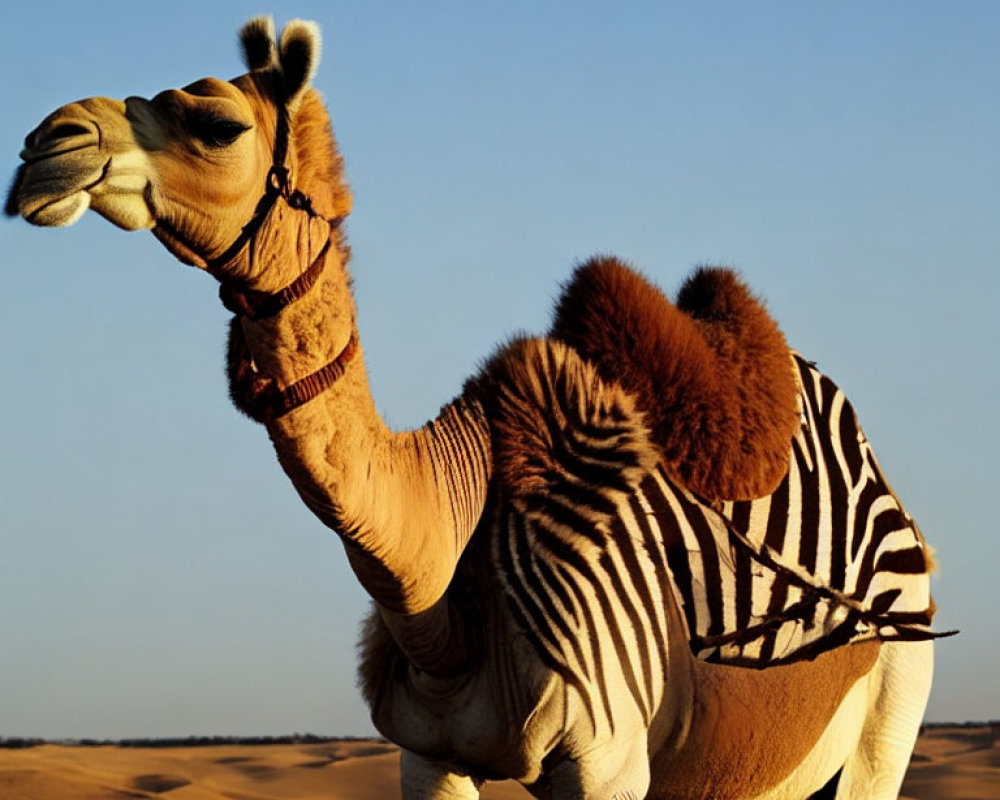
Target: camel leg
427,780
611,772
901,684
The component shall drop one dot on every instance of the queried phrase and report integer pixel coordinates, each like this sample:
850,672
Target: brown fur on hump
713,373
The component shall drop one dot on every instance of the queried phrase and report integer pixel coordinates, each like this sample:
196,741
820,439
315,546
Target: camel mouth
61,212
54,190
83,156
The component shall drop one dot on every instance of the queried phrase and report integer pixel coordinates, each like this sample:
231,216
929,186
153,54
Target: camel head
194,164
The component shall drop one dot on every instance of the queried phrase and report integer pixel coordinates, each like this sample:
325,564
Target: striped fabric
829,558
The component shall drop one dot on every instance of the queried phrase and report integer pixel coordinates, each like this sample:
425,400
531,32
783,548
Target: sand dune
333,771
955,764
950,764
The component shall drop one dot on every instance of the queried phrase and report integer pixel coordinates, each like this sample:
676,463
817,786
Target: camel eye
218,132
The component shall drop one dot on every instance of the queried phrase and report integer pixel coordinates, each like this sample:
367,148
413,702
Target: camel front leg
618,770
428,780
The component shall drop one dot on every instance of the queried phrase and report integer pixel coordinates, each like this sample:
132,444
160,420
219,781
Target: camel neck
312,329
405,503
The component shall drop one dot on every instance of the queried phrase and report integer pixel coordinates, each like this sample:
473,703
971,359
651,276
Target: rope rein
904,626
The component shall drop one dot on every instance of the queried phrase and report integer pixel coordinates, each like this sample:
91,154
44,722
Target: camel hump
712,373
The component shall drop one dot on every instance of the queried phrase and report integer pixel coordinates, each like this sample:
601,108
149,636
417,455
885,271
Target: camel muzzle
62,162
81,156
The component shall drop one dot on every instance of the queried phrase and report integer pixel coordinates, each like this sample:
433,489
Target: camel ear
299,53
258,40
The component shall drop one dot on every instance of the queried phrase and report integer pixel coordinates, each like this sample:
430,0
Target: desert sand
955,763
949,764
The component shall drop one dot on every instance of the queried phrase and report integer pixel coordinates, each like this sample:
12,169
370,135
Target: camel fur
712,373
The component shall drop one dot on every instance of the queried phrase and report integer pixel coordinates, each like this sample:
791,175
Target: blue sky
158,574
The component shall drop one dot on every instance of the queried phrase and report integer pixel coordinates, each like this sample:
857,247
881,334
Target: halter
277,184
270,400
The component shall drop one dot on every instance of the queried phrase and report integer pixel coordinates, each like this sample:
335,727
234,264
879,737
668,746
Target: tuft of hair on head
258,40
299,53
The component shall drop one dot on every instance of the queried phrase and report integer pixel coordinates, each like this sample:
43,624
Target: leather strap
258,306
305,389
264,400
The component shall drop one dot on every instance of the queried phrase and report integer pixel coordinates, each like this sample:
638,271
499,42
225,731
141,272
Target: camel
530,617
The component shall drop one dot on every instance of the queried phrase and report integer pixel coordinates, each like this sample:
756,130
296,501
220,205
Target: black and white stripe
830,557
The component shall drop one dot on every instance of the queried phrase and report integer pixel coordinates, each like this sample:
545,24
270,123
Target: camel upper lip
32,215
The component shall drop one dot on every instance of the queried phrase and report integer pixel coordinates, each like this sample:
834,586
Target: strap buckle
279,181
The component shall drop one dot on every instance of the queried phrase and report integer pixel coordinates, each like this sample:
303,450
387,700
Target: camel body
242,179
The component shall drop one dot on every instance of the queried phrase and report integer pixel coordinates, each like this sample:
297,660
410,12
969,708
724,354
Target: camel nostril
62,130
61,135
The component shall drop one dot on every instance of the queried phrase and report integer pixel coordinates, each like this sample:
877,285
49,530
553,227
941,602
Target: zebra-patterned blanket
609,438
595,532
830,557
